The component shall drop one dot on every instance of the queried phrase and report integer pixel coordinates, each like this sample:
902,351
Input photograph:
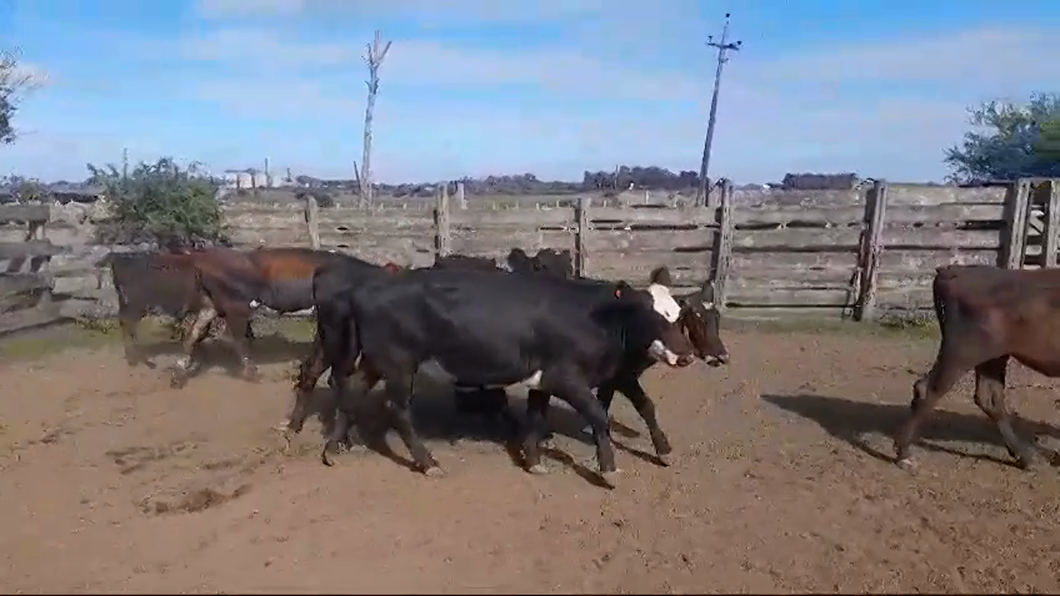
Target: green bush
159,202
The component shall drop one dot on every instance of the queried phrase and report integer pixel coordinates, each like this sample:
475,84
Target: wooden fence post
721,255
1014,234
870,250
581,217
461,199
1052,224
312,221
442,238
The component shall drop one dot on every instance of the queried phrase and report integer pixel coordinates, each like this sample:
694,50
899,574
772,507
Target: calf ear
622,289
707,292
661,276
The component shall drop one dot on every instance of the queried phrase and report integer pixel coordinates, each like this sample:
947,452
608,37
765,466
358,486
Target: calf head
701,322
519,261
553,262
650,321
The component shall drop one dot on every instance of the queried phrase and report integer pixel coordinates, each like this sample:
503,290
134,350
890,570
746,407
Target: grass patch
898,325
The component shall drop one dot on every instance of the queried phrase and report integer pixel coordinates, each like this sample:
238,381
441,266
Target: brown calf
988,315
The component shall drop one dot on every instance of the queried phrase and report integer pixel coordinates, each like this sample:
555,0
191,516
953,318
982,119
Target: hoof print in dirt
191,502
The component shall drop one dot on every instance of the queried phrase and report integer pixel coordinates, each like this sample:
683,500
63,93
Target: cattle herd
483,328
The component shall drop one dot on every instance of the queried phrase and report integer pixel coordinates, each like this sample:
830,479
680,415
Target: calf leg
990,397
346,390
308,374
633,390
536,430
129,320
237,320
399,400
182,369
581,398
953,360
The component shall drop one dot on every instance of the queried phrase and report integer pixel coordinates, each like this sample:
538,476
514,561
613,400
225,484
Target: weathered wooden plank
808,240
870,250
795,214
1013,236
854,215
839,261
805,198
767,296
26,213
18,283
33,248
368,241
722,253
24,320
650,240
638,274
523,217
804,313
472,244
793,278
917,194
815,281
581,234
928,238
1052,226
612,216
648,260
900,261
911,298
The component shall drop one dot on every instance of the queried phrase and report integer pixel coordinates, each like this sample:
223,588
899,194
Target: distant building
247,179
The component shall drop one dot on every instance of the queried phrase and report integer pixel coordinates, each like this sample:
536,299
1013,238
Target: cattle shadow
216,352
851,421
437,419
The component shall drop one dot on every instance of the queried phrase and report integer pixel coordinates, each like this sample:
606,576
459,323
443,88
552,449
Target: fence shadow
850,421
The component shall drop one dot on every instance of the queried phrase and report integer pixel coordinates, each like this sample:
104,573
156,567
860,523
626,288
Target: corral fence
769,253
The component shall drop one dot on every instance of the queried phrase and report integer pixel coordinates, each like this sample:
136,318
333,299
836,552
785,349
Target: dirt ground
113,482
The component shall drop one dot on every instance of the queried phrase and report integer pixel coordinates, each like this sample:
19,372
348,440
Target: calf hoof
906,463
1029,462
252,374
538,469
434,472
178,379
610,479
665,459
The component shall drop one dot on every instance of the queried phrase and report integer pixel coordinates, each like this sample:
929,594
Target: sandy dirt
113,482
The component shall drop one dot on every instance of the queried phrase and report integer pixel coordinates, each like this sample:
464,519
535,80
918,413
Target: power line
724,46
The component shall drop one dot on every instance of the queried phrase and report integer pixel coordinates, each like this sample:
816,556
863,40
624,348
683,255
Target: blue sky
552,87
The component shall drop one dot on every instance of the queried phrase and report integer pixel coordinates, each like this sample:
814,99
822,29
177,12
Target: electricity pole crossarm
723,46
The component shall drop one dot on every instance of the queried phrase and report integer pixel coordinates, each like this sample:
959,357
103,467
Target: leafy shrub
161,203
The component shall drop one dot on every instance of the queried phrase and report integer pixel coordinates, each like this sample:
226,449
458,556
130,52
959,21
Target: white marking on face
708,305
184,362
254,304
658,351
663,302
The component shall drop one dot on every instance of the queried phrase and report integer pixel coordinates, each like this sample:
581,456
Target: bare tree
15,83
375,56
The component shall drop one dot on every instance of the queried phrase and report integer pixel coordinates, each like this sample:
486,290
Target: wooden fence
771,253
25,284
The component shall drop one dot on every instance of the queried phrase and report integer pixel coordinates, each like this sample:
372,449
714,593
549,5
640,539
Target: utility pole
724,46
